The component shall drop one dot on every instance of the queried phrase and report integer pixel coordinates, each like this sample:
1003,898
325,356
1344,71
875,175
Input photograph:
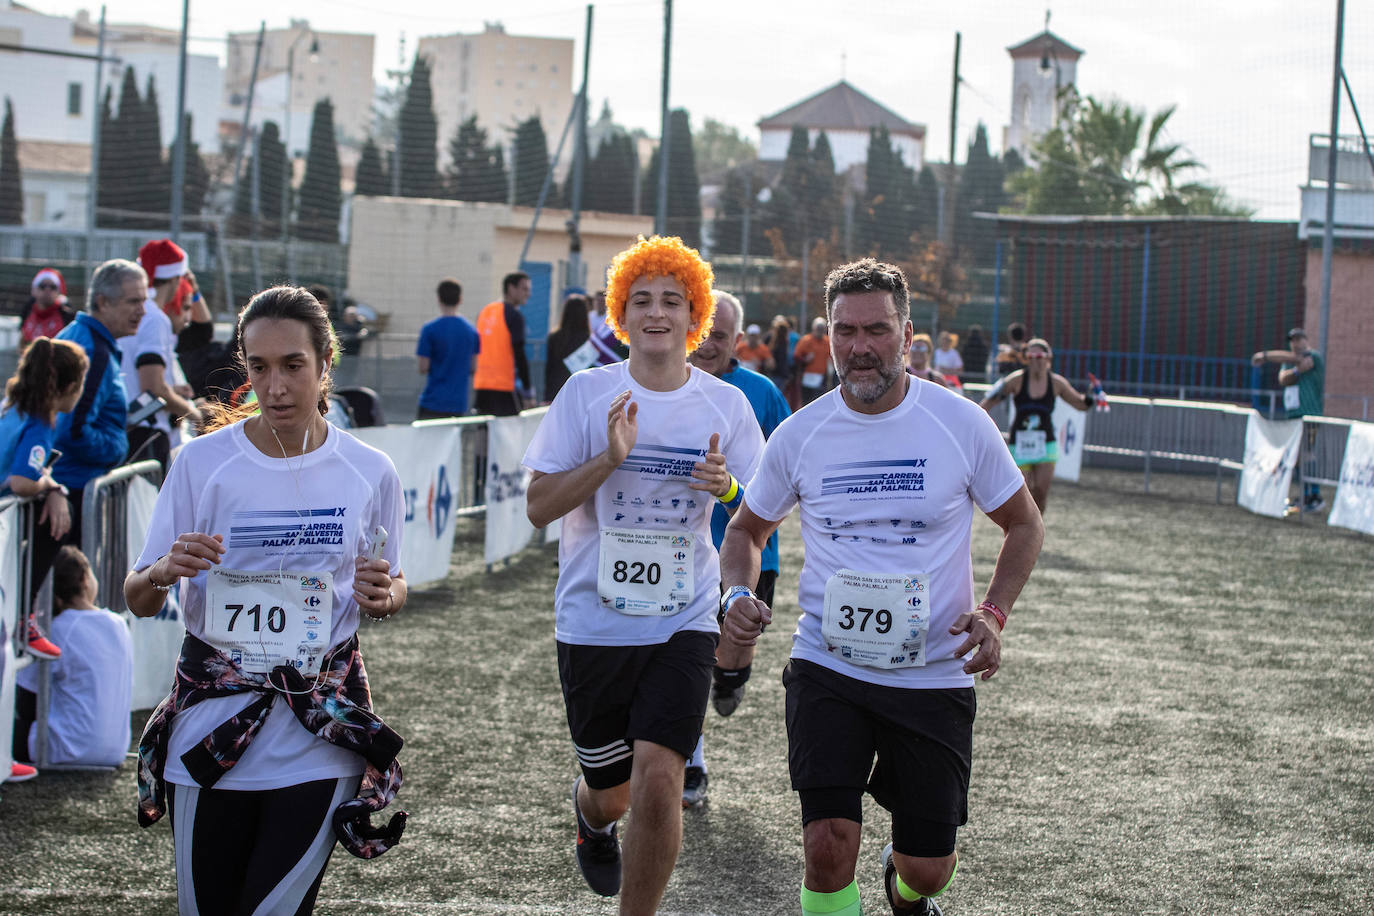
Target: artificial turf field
1184,723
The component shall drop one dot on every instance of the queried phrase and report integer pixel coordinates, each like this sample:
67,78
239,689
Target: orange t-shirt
812,356
755,358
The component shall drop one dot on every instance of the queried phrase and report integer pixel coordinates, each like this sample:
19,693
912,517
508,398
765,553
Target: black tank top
1034,413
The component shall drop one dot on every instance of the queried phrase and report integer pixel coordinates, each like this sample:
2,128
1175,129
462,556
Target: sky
1251,79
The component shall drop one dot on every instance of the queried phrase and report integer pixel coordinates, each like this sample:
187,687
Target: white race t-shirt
92,686
153,338
221,484
649,491
891,493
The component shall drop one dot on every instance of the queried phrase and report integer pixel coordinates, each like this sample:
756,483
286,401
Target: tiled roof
46,156
1034,47
841,107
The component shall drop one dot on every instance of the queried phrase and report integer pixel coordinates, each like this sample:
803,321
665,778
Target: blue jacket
770,407
92,438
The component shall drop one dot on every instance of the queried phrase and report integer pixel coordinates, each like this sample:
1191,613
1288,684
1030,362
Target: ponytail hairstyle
48,369
285,303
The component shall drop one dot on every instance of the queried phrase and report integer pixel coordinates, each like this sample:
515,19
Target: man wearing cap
752,352
150,363
1302,374
47,311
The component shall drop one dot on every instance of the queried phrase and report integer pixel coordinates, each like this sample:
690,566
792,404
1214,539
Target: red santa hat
163,259
50,275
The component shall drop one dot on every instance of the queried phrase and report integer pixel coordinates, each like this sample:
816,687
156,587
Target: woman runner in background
918,360
267,748
1032,390
573,330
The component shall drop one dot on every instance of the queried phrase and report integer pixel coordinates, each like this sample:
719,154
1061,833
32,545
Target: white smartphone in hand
376,543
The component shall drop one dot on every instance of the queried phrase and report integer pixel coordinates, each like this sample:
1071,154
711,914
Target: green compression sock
910,896
843,902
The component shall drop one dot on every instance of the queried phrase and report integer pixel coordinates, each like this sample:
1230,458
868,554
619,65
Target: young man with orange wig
631,457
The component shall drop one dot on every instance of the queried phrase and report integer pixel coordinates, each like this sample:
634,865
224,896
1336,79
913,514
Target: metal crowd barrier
471,492
1171,435
105,542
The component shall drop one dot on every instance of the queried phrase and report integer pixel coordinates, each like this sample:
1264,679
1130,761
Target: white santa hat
52,275
163,259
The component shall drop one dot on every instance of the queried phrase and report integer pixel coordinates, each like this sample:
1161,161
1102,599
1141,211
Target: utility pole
93,195
744,235
244,131
400,75
579,163
179,151
1328,235
946,201
661,211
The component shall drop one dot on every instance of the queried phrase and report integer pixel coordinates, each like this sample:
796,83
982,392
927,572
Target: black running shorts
617,695
922,739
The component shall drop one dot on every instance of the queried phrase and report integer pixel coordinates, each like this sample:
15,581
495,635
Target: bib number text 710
276,617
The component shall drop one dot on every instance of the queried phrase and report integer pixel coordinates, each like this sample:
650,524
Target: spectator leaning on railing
92,438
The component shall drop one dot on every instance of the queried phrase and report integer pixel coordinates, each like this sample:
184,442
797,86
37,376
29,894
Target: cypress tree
370,178
609,186
104,177
530,160
321,199
154,180
684,187
980,191
478,170
821,199
271,174
419,136
197,181
11,187
119,157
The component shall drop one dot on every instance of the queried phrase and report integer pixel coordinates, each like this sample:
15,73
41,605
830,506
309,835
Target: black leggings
264,852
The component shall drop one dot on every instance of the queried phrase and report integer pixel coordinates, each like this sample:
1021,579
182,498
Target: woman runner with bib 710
1032,391
266,750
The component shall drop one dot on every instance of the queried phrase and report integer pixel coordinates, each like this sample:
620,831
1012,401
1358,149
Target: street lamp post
290,157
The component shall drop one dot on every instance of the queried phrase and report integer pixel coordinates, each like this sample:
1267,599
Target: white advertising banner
9,623
156,639
428,460
508,528
1354,503
1070,430
1271,452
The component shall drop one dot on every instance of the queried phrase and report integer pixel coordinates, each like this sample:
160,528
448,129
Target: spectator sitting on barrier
946,358
92,683
48,381
46,312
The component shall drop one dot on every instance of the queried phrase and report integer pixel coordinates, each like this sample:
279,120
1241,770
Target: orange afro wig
661,257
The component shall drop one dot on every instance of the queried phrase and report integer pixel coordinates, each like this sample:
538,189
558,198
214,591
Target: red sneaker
20,772
39,643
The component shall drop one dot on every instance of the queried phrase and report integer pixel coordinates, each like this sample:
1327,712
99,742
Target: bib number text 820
882,619
276,617
636,572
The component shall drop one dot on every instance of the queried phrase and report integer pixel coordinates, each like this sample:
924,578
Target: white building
1042,68
155,51
54,100
332,65
846,115
503,80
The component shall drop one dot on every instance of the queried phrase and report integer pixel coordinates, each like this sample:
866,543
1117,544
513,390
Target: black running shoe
694,787
726,699
598,854
1315,504
923,907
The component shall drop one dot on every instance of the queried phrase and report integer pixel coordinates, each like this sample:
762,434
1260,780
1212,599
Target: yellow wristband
731,493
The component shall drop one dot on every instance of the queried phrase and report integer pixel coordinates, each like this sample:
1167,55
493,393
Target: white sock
698,758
